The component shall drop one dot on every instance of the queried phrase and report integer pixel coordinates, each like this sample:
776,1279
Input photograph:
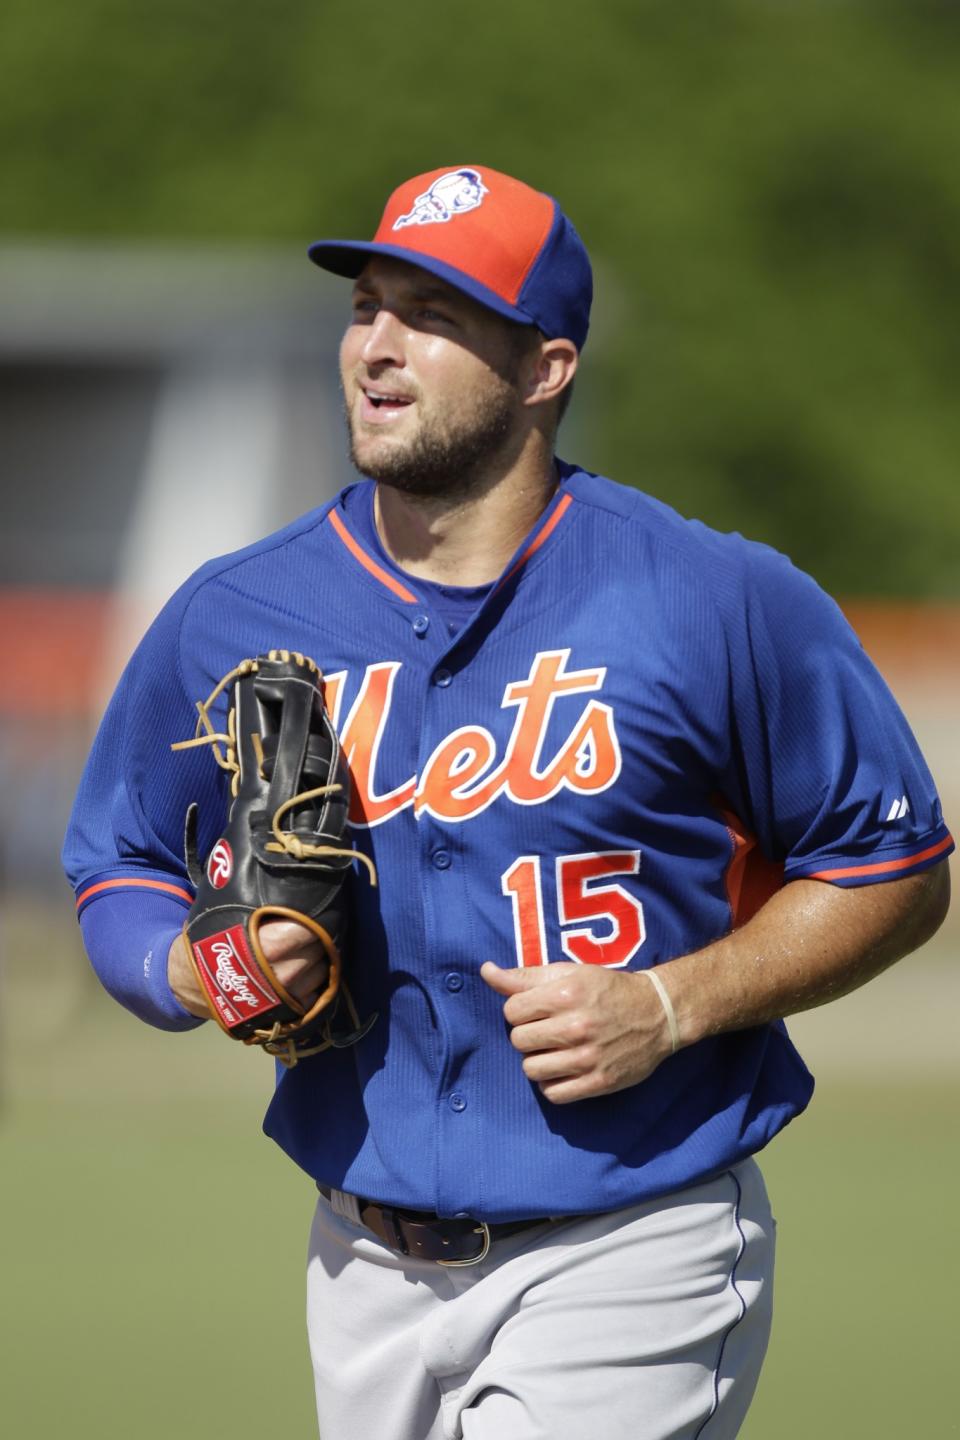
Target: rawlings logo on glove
283,855
220,865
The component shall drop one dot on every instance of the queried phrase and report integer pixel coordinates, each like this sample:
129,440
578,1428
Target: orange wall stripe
377,571
54,656
542,538
877,869
143,884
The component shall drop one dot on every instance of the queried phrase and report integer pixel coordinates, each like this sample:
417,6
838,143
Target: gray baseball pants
650,1323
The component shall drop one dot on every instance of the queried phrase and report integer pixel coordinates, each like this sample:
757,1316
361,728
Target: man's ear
552,368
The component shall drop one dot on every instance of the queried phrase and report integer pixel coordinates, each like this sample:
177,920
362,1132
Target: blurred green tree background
769,189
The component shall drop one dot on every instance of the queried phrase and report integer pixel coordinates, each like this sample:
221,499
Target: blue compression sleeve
128,934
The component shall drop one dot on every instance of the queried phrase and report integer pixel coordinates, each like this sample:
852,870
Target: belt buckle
482,1229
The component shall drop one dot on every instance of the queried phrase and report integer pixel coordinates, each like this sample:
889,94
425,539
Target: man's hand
295,954
588,1031
582,1030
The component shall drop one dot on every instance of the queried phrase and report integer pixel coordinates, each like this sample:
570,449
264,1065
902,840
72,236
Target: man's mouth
385,400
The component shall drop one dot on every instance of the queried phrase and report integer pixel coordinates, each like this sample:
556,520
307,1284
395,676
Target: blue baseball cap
508,246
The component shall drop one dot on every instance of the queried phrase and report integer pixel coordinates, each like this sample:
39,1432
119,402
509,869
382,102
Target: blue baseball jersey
612,756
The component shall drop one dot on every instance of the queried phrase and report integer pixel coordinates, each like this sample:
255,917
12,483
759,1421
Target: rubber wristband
668,1009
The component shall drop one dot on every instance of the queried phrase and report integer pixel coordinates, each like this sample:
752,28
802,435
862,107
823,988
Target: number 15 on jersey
600,922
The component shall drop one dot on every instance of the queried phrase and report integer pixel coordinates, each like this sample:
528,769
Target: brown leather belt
460,1241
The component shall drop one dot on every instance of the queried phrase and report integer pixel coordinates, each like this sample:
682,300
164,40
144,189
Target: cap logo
453,194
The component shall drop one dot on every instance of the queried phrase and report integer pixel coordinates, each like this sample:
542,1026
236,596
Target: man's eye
426,312
365,306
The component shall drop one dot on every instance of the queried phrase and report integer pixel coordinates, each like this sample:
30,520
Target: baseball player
633,793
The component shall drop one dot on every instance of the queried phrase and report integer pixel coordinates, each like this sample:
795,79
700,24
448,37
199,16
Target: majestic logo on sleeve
453,194
464,774
899,808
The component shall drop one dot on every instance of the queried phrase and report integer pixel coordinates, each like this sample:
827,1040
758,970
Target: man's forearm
811,943
584,1030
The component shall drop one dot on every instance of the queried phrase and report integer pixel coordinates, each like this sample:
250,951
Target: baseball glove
282,855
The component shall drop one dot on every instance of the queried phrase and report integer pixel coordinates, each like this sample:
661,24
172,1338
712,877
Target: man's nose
383,341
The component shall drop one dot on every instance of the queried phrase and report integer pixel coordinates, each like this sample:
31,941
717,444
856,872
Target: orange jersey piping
142,884
367,561
548,529
904,864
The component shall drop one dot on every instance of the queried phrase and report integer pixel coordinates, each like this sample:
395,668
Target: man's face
430,381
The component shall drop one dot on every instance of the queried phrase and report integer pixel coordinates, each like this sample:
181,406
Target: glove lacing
284,842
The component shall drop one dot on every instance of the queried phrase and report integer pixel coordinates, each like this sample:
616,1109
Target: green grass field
153,1239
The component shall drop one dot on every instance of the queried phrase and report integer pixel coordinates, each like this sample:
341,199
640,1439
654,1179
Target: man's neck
465,540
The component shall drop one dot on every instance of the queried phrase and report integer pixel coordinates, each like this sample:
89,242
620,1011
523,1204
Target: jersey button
441,859
442,678
454,982
458,1102
421,624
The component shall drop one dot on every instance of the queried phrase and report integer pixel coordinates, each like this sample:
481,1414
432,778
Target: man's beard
452,459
